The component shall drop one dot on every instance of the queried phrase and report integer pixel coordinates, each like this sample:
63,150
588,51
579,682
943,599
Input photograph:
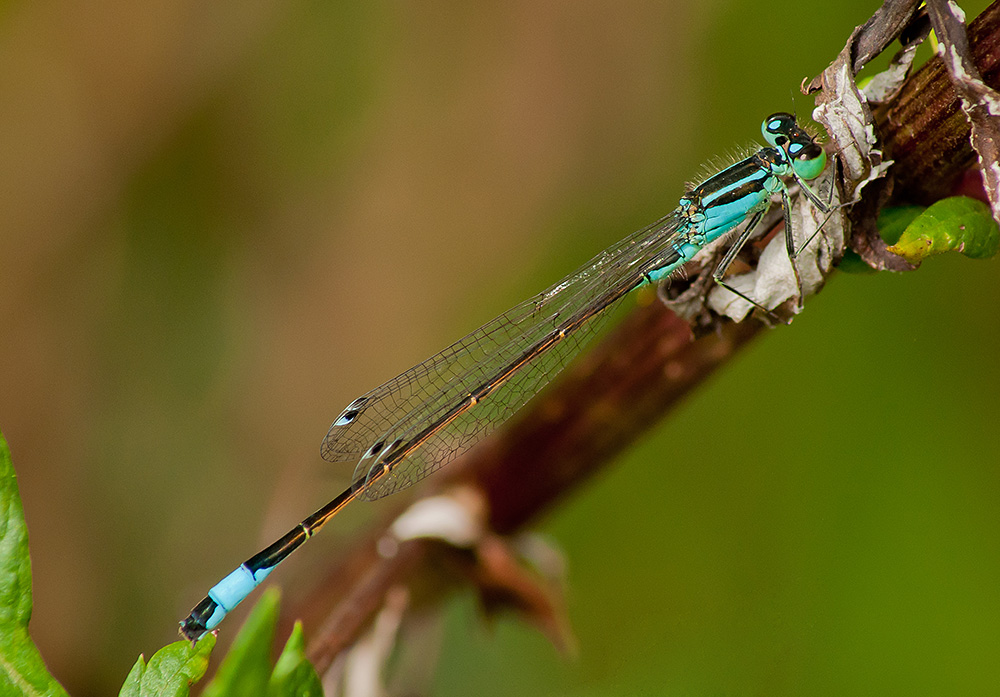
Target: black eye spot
376,448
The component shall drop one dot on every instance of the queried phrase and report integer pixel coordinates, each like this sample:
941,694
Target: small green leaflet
959,224
171,671
22,671
246,669
294,675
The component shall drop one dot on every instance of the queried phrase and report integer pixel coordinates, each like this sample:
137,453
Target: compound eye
779,123
778,129
810,162
807,151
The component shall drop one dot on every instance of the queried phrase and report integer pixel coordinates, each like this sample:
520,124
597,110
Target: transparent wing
367,418
470,425
505,361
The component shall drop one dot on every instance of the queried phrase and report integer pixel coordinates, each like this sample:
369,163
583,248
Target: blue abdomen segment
224,596
230,591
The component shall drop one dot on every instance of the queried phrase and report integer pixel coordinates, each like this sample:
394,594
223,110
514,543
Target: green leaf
958,223
22,671
294,675
171,671
245,669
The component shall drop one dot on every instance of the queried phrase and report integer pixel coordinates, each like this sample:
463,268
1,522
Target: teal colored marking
424,418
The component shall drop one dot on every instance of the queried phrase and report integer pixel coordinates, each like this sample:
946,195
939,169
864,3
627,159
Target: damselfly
424,418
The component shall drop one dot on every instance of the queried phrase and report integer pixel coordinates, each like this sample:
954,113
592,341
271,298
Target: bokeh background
220,222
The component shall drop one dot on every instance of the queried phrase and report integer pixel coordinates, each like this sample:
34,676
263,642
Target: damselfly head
779,128
806,156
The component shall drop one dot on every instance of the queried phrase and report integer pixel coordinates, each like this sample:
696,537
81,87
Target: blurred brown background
221,222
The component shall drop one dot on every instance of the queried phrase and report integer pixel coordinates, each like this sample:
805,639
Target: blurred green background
221,222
